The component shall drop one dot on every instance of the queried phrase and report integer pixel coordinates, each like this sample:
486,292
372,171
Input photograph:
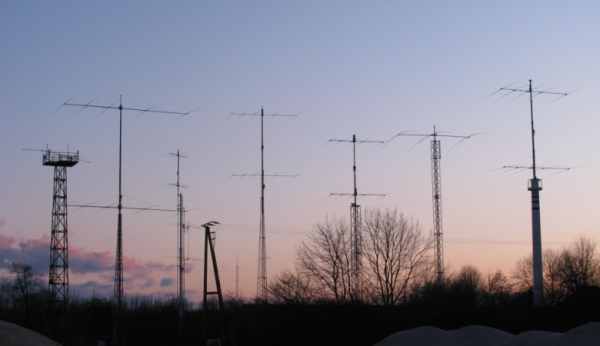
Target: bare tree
395,251
465,286
468,279
565,271
23,287
291,287
580,265
497,288
325,259
522,276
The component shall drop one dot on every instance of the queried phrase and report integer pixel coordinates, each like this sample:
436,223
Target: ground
14,335
585,335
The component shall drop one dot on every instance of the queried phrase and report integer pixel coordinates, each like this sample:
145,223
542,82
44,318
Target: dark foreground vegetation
320,303
154,321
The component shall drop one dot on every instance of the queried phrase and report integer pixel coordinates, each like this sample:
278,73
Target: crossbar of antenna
431,135
358,194
254,175
351,141
265,114
538,168
147,110
113,207
535,92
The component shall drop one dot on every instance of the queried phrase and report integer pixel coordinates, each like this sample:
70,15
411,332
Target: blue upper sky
373,69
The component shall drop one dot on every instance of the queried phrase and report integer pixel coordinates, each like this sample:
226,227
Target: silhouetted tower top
60,159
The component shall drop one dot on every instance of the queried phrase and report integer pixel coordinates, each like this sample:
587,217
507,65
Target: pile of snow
585,335
13,335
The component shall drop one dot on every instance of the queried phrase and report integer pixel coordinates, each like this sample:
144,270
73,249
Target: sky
371,69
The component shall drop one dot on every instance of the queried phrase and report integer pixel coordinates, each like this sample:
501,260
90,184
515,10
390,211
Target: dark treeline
154,321
316,303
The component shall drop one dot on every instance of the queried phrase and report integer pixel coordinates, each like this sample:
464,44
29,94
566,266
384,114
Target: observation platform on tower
60,159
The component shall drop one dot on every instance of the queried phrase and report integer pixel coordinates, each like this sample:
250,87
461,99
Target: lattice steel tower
436,192
356,243
436,189
59,245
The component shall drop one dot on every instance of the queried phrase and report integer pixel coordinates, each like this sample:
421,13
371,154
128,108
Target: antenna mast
262,293
535,186
356,243
180,248
118,323
436,191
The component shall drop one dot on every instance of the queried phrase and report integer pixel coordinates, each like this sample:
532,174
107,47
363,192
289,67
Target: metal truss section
59,248
356,244
436,188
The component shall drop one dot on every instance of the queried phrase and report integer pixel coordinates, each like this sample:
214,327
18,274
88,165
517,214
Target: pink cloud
141,270
34,252
82,261
30,245
6,241
96,269
2,221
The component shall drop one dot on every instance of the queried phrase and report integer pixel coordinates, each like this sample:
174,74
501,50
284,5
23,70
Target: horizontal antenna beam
268,115
537,167
358,194
352,141
431,135
147,110
113,207
535,92
254,175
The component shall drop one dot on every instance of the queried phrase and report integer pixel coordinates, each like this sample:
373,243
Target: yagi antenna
118,321
436,187
535,187
262,293
355,223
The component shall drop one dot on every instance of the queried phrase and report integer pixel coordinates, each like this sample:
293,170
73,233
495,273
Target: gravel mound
585,335
13,335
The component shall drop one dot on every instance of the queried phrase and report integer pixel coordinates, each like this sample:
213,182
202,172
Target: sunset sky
370,68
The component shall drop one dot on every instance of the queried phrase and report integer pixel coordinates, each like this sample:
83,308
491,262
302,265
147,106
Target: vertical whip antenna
356,243
237,277
436,194
535,186
118,322
262,293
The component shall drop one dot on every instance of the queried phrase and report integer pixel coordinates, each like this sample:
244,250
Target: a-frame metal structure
209,246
